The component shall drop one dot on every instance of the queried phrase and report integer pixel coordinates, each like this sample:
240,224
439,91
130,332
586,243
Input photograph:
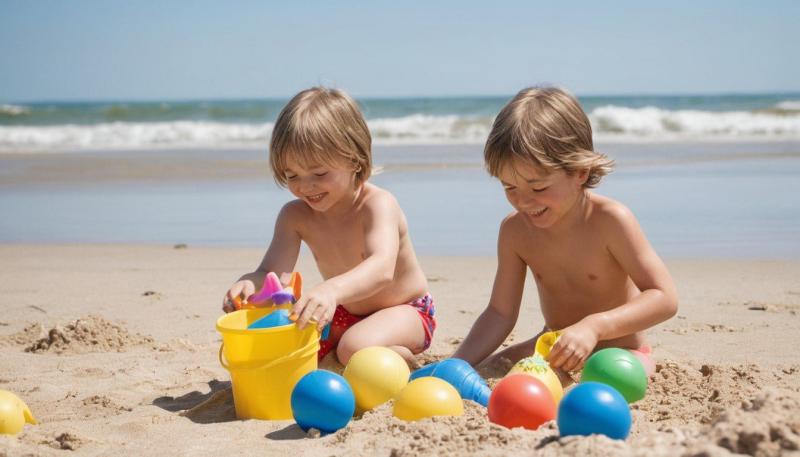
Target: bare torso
575,273
337,243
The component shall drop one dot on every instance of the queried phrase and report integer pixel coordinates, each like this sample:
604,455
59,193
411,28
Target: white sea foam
789,105
14,110
656,123
613,123
122,135
419,128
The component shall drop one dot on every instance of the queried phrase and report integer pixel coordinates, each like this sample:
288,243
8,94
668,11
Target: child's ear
583,176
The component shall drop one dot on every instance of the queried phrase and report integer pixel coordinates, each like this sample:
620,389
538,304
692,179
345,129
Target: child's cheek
512,198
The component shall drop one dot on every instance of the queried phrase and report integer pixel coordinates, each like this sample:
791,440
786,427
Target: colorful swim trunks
343,319
645,355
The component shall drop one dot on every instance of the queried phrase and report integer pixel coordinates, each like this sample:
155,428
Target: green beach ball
619,369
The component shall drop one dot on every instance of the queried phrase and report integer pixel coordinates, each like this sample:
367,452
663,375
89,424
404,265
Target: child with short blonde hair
374,292
600,282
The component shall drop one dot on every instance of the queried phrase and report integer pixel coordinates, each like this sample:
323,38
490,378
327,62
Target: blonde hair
321,126
545,126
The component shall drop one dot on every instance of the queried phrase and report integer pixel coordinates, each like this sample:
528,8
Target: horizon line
395,97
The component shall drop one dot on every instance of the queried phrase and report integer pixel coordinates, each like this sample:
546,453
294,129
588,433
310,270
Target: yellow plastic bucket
265,364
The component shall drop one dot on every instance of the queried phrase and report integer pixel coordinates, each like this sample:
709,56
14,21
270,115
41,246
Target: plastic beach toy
538,367
272,292
469,384
594,408
265,364
427,397
274,319
14,414
322,400
376,374
546,342
520,400
619,369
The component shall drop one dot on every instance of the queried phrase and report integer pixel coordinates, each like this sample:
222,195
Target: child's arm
498,319
381,219
280,257
657,301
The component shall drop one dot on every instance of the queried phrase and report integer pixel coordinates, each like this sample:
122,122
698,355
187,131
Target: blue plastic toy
592,407
276,318
458,373
322,400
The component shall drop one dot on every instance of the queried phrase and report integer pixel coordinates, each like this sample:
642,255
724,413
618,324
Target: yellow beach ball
538,367
427,397
376,374
14,413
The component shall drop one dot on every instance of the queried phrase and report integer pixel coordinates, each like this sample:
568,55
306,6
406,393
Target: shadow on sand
290,432
203,408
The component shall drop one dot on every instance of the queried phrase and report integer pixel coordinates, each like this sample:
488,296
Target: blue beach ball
322,400
594,408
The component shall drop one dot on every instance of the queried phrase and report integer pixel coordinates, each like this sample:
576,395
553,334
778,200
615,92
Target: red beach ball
521,401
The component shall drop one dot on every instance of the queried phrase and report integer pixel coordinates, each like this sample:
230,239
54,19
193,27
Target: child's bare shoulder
376,198
611,215
513,226
294,213
295,208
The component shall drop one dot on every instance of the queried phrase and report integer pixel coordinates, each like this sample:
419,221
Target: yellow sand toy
265,362
537,366
14,413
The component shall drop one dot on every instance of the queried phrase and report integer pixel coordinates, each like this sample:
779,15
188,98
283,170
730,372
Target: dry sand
115,351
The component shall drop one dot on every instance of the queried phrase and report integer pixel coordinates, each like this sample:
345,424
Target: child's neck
343,207
575,215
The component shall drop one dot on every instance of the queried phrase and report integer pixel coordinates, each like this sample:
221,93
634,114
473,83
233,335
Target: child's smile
316,198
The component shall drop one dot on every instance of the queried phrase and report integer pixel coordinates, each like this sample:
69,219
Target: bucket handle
294,354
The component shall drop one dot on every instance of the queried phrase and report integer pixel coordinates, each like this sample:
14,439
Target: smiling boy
599,280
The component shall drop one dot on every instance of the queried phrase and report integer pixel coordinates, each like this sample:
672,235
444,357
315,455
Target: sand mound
378,431
25,337
769,425
88,334
680,394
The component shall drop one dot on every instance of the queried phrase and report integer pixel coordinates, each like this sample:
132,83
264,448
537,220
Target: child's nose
305,184
527,198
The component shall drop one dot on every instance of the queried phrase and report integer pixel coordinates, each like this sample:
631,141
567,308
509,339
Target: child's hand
574,346
244,288
317,306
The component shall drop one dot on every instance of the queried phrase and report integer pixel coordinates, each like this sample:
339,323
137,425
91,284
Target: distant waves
612,122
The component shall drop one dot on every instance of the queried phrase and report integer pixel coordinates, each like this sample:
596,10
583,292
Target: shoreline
107,167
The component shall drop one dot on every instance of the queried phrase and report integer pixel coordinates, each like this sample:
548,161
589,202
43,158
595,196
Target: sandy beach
114,349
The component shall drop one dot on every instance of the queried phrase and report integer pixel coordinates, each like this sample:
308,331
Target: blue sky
109,49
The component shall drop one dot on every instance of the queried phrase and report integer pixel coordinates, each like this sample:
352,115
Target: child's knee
348,345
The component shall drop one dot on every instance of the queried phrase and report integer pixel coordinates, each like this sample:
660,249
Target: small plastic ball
538,367
427,397
594,408
619,369
322,400
520,400
376,374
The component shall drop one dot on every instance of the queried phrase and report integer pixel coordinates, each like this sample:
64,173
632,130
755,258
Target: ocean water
707,176
692,200
47,126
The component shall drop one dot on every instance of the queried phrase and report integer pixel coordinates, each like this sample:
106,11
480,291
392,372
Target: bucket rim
241,331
